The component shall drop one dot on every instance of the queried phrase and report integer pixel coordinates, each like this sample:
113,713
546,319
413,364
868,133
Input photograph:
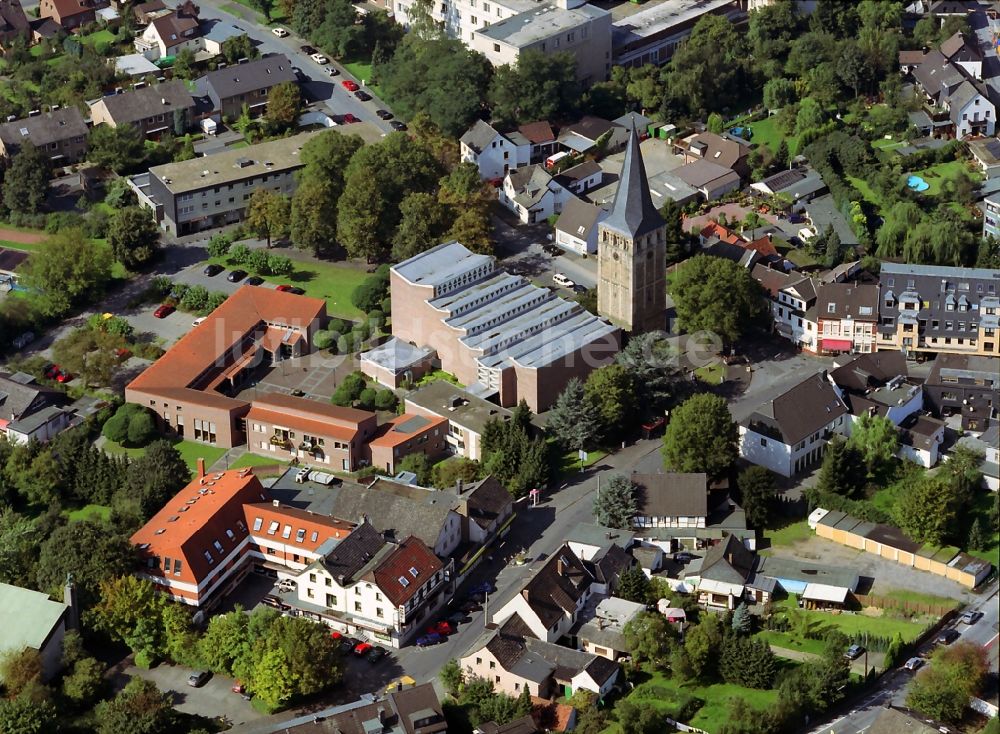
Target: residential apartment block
848,315
153,110
232,88
310,431
194,389
927,309
405,435
789,433
204,193
964,385
564,26
499,334
60,135
651,35
991,216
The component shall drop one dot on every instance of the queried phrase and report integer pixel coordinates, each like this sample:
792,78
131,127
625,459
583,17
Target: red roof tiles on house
405,570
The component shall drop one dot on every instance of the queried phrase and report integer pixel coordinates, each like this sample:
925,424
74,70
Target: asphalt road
319,87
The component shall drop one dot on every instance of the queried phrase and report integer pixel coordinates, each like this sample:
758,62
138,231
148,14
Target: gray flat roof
396,355
232,165
440,264
457,405
665,15
539,23
940,271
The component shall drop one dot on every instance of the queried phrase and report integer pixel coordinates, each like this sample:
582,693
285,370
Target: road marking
991,641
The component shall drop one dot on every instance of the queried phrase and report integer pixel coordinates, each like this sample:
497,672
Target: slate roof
487,500
806,408
552,594
609,563
579,218
479,136
569,663
354,553
633,213
523,725
41,130
138,104
718,149
12,18
847,301
11,260
729,562
530,184
671,494
918,431
20,398
701,174
171,28
590,127
867,371
238,79
958,47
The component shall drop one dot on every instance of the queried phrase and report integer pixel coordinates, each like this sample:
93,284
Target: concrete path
228,458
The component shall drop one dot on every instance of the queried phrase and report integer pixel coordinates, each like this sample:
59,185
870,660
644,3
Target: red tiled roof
243,313
714,229
347,417
313,529
411,555
196,517
316,427
537,132
404,427
763,246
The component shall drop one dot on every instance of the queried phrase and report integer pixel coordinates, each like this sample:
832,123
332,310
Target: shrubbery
131,425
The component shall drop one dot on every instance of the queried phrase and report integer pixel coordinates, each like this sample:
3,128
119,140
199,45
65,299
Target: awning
825,592
838,345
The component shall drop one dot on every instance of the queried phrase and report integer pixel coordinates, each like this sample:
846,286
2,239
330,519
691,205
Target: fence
684,727
888,602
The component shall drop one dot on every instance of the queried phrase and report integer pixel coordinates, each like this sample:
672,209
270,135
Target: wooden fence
888,602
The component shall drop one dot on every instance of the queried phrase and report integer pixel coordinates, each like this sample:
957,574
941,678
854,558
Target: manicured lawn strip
866,191
89,512
23,246
101,35
766,132
944,172
711,373
256,460
790,642
790,534
884,144
362,71
854,625
981,504
190,451
329,281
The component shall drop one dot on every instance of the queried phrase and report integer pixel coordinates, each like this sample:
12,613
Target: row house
152,110
792,298
789,433
405,435
230,89
848,317
59,134
366,584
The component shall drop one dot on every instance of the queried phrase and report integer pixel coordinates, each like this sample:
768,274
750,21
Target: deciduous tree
284,102
422,222
876,439
119,148
538,87
133,236
139,708
650,637
70,270
757,495
716,295
26,181
611,390
701,437
268,214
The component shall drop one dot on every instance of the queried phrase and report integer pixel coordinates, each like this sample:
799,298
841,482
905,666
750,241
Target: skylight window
403,581
272,528
414,572
258,521
287,532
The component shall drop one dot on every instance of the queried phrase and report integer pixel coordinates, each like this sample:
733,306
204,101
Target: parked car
471,606
683,557
235,276
332,71
271,600
553,250
486,587
376,654
198,678
578,288
212,270
347,644
350,119
384,114
307,49
443,627
286,585
969,617
362,95
397,125
55,372
561,279
947,637
430,640
458,618
854,652
296,291
198,320
319,59
362,648
280,32
284,288
163,311
253,280
350,85
913,663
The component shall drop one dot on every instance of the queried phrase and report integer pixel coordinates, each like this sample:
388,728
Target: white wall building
493,153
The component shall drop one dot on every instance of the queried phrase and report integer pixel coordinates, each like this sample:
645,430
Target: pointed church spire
633,213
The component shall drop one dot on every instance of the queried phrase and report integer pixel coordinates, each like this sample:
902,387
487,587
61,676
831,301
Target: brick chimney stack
201,467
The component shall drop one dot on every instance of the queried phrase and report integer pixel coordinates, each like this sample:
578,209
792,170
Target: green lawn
190,451
917,597
23,246
331,281
766,132
668,696
853,625
790,534
866,191
101,35
981,505
362,71
89,512
937,175
884,144
713,373
791,642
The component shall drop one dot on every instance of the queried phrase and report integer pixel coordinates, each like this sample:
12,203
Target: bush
369,294
219,245
376,319
361,331
95,225
323,340
141,428
386,305
239,254
386,400
345,344
116,428
195,298
337,326
366,400
349,390
144,659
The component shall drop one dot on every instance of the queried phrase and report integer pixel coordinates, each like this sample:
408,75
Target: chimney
70,600
201,467
276,503
460,486
769,237
560,566
381,714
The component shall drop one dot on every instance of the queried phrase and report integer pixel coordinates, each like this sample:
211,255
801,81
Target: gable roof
355,552
27,617
537,132
609,563
523,725
69,8
251,76
20,395
486,501
555,588
718,149
703,173
12,18
404,570
309,415
671,494
891,721
960,48
579,218
806,408
41,130
404,428
590,127
138,104
728,561
871,370
632,213
172,27
847,301
479,136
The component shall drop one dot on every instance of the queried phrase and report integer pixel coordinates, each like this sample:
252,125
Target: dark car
212,270
254,280
347,644
384,114
486,587
198,678
397,125
376,654
430,640
458,618
295,290
273,601
471,606
947,637
307,49
578,288
554,250
854,652
235,276
362,95
683,557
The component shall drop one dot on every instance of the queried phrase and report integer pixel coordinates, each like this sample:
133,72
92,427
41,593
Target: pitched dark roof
20,396
633,213
11,260
729,561
867,371
524,725
487,500
801,411
138,104
671,494
42,130
958,47
537,132
404,570
415,710
239,79
578,218
479,136
557,586
609,563
353,553
12,18
847,301
569,662
591,127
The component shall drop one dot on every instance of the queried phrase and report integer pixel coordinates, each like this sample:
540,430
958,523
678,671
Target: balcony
280,442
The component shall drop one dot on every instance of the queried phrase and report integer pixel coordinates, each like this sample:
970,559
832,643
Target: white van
560,279
553,159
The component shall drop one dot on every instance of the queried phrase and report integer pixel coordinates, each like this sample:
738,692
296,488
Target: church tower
632,252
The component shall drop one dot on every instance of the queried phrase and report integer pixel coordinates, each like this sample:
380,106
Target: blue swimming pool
917,183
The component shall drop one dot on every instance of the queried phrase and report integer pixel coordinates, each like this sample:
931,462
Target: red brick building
408,434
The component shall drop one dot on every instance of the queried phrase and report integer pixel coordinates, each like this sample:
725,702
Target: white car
198,320
320,59
279,32
914,663
561,280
